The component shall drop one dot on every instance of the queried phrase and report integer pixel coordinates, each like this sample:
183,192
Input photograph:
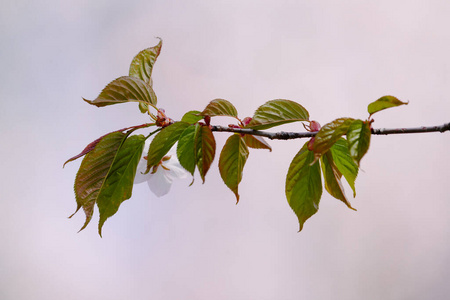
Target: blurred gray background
333,57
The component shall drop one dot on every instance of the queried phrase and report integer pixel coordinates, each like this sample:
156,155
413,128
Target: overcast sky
333,57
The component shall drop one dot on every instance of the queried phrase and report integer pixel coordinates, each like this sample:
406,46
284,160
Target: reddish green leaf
304,185
220,107
344,162
332,178
256,142
383,103
163,142
329,134
358,137
119,182
125,89
192,117
277,112
93,171
205,150
142,64
231,162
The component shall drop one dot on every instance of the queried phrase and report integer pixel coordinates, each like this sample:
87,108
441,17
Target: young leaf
329,134
383,103
93,171
256,142
231,162
163,141
119,182
186,148
125,89
142,64
277,112
304,185
358,136
344,162
205,150
332,178
220,107
192,117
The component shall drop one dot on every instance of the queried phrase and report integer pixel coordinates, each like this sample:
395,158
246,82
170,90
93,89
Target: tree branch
298,135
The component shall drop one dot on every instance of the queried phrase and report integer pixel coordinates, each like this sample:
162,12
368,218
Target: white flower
160,177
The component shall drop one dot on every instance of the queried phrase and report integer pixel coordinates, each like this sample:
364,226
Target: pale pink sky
333,57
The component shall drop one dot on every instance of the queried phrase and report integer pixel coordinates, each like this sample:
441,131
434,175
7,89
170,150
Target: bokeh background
333,57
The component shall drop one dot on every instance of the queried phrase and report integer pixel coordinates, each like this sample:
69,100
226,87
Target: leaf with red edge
256,142
329,134
332,178
358,137
142,64
93,171
125,89
304,185
383,103
206,150
231,162
277,112
220,107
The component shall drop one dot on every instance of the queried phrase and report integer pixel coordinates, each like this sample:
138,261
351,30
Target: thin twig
298,135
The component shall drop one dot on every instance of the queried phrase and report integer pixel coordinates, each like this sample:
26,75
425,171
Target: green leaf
329,134
304,185
332,178
277,112
231,162
119,182
192,117
358,137
196,147
125,89
163,142
256,142
205,150
186,148
220,107
344,162
383,103
142,64
93,171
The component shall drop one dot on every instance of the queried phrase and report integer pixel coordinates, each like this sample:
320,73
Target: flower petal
159,183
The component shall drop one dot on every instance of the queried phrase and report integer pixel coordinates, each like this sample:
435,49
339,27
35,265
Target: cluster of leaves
107,172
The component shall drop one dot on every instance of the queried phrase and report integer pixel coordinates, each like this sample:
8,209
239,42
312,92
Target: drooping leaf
256,142
277,112
142,64
93,171
186,152
192,117
329,134
125,89
304,185
119,182
383,103
162,143
332,178
344,162
358,137
205,150
231,162
86,150
220,107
